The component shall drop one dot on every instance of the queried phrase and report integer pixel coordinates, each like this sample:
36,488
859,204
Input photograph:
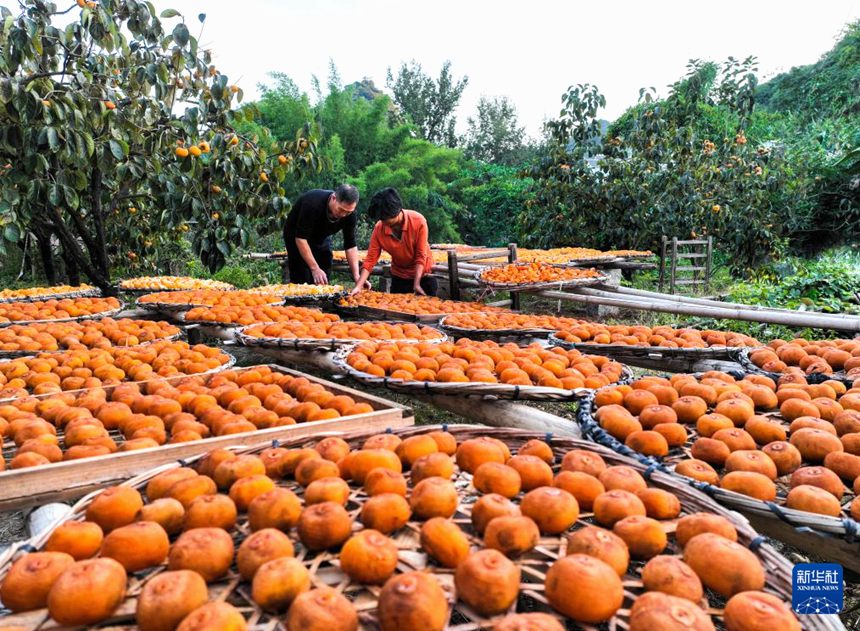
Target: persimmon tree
117,134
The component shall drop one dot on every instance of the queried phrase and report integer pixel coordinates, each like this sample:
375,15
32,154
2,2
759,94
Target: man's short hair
346,194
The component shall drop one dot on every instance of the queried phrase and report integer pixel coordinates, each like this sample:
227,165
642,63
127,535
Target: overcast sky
529,51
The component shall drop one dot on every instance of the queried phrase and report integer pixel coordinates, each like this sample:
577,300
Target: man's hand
356,290
418,290
365,285
319,276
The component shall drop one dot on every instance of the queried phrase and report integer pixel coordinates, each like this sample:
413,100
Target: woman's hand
355,290
418,290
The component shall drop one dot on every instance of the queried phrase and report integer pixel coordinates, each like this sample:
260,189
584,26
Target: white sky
529,51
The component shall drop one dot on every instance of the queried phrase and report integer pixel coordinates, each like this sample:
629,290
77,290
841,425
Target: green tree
421,172
663,175
429,103
489,196
117,134
495,135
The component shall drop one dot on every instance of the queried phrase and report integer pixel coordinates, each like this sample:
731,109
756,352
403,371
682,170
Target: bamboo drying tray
90,316
742,357
324,567
558,285
836,538
372,313
537,332
73,478
465,389
322,344
660,357
83,293
19,354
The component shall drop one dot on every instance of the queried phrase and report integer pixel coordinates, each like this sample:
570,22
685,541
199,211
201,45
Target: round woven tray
19,354
556,285
492,333
317,344
465,389
174,307
91,316
592,260
843,527
324,568
85,293
314,300
627,350
742,357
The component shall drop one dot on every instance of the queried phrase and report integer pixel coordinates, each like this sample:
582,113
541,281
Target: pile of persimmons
529,273
53,309
413,304
223,314
269,522
745,435
374,330
49,373
484,362
137,416
103,333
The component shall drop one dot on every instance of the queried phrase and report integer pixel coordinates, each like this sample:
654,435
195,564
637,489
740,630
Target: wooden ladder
699,252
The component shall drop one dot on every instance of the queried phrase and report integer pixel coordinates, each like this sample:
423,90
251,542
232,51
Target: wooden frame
66,480
703,250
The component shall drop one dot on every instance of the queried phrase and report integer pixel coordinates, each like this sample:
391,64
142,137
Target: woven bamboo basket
174,308
662,357
231,361
84,293
324,568
19,354
92,316
495,333
559,285
372,313
742,357
465,389
320,344
820,527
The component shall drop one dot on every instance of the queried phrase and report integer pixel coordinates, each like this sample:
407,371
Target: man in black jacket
314,218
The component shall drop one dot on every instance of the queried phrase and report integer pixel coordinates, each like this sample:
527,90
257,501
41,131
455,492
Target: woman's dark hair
385,204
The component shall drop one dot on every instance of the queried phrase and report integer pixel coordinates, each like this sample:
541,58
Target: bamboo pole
500,413
664,306
715,303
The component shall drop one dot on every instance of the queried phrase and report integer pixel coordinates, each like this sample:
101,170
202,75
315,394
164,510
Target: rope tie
548,437
777,510
852,529
444,427
516,392
28,547
275,443
182,462
755,544
389,430
649,470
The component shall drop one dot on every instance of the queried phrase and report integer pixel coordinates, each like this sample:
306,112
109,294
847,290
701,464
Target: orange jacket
413,247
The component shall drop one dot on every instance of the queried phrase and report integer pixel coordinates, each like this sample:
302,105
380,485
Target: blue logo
817,588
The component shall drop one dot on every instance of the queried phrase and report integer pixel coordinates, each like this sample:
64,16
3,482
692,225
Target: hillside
828,88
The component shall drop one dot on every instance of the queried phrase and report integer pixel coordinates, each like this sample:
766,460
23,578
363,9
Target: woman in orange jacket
403,234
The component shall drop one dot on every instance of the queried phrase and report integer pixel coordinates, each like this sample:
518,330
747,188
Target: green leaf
118,148
12,233
91,146
170,13
53,139
181,34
